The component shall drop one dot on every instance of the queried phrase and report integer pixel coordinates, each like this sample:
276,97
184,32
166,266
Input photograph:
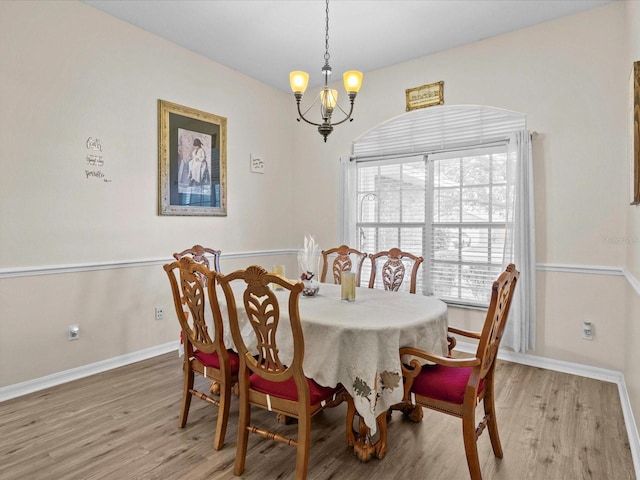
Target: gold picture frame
425,96
192,157
635,136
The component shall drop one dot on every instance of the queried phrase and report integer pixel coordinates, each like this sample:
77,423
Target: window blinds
437,128
431,182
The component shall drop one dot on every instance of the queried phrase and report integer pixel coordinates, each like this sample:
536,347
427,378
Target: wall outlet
159,313
257,164
587,331
73,332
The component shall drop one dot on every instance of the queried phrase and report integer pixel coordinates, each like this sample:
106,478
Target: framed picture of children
192,161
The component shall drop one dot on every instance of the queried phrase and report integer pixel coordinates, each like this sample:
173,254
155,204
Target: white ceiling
266,39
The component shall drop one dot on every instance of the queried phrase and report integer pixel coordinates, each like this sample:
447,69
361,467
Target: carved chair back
342,259
391,267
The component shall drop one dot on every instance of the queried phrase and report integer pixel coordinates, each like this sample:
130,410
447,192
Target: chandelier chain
326,36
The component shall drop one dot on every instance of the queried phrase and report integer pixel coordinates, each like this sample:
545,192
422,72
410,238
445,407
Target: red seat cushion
288,390
443,383
212,360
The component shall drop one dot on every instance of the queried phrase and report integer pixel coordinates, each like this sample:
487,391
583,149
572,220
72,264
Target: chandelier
328,97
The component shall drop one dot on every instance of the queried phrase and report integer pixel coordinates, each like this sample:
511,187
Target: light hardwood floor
122,424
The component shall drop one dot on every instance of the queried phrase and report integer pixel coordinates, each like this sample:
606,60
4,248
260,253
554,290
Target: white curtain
349,203
520,243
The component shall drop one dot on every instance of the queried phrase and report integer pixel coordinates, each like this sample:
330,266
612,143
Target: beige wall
632,243
569,76
69,72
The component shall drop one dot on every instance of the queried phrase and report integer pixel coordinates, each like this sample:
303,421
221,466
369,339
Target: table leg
363,445
409,410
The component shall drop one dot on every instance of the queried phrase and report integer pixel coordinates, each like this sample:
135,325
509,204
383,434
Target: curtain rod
369,158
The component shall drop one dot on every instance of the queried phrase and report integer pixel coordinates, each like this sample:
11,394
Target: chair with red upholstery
342,259
193,285
457,385
199,254
265,382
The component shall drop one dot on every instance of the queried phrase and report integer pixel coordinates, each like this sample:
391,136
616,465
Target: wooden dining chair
342,259
205,354
265,382
390,268
457,385
198,253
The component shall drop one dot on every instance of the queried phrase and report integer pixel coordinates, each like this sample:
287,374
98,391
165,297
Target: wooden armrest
439,359
464,333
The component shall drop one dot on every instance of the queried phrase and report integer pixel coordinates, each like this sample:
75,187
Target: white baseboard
20,389
605,375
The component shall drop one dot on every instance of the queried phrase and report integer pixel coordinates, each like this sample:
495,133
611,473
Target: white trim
602,374
587,269
89,267
30,386
635,283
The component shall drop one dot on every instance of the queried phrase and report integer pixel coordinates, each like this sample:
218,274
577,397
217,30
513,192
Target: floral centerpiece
308,259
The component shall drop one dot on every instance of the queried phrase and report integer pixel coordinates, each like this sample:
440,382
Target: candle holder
348,286
277,270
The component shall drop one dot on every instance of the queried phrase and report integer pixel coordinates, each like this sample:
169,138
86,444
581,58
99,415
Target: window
447,207
468,215
455,184
391,202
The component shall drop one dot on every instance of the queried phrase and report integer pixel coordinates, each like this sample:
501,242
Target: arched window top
439,128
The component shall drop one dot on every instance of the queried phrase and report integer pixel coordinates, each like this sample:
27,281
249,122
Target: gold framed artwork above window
425,96
635,136
192,155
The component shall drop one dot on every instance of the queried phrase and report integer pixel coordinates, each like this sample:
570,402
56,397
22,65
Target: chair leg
223,415
304,440
244,417
186,396
492,423
470,446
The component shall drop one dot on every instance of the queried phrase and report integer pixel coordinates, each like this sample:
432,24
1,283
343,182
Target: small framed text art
425,96
635,136
192,156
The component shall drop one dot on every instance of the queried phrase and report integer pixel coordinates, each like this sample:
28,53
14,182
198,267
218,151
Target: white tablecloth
356,343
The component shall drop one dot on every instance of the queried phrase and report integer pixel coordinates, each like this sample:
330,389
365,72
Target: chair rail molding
89,267
635,283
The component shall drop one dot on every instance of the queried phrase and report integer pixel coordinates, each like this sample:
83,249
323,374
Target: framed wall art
425,96
635,135
192,156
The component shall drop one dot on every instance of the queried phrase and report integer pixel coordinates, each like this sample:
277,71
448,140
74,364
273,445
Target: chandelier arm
302,115
348,115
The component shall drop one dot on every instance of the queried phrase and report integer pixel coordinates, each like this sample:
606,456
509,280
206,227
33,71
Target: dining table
356,344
